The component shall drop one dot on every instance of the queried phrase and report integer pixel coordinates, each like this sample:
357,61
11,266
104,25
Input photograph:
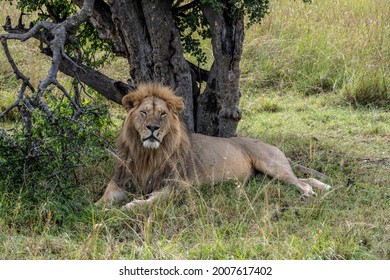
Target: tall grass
321,47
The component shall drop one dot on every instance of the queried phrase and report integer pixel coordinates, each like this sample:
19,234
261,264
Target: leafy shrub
46,153
40,162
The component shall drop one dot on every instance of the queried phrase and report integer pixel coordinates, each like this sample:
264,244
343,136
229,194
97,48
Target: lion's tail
307,170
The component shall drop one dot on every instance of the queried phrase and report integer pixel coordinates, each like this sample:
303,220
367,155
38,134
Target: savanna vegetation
314,82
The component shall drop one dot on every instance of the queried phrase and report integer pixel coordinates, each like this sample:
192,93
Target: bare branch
57,44
22,98
43,105
85,12
18,74
59,31
64,91
29,34
111,89
15,104
57,47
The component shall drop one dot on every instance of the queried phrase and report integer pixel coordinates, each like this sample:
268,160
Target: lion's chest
149,174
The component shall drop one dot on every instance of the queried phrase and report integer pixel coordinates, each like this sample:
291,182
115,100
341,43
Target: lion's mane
150,169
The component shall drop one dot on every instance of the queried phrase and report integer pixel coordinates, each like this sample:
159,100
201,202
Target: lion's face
153,113
151,121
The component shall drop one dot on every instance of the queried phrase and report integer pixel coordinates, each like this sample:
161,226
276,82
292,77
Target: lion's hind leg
282,171
316,184
278,167
288,176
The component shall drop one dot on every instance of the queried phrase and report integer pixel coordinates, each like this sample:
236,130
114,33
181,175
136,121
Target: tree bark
103,22
218,113
111,89
153,46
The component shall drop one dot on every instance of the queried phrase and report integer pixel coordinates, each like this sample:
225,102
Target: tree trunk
217,109
153,46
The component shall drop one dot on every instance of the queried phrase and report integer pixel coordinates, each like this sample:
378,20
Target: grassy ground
315,82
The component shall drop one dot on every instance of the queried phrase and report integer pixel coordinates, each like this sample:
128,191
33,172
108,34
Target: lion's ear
176,105
129,102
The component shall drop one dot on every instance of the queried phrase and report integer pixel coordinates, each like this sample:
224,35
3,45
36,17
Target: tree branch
19,75
59,32
202,75
102,20
179,10
111,89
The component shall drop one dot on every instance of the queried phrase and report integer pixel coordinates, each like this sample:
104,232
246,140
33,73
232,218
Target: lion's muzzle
152,141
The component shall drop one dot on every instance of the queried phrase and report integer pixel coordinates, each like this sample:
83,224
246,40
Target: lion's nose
153,128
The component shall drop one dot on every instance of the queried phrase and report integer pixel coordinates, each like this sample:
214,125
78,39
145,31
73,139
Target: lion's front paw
134,203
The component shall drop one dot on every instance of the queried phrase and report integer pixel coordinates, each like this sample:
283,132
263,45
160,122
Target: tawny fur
156,151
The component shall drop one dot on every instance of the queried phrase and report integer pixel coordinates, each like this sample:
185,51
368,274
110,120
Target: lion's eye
143,113
163,114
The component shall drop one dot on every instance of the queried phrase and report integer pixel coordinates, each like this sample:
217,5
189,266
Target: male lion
155,152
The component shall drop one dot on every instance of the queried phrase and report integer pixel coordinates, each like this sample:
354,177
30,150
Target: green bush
40,162
46,155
